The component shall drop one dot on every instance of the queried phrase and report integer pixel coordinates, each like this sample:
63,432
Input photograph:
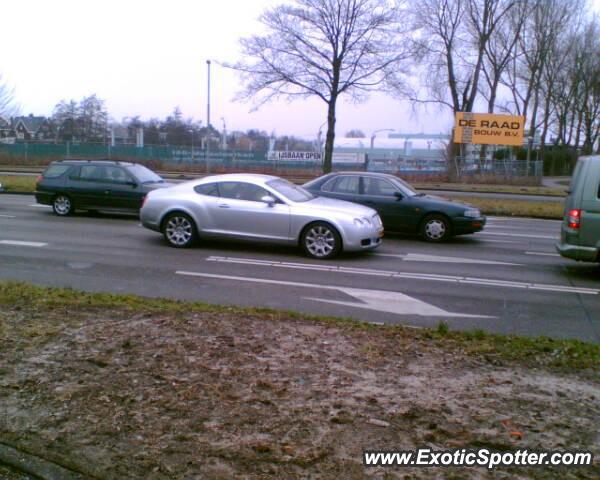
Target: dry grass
516,208
18,183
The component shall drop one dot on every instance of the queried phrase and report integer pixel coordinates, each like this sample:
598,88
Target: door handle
107,192
223,205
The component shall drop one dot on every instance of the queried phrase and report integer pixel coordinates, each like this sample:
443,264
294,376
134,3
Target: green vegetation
515,208
47,311
491,188
18,183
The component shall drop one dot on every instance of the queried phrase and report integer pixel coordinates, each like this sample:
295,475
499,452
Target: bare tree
325,49
8,107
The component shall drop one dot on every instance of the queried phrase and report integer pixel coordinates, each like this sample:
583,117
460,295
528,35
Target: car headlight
472,213
362,222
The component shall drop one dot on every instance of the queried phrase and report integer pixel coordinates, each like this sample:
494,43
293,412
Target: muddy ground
117,395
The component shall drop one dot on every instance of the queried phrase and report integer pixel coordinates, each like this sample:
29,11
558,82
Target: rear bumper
576,252
465,225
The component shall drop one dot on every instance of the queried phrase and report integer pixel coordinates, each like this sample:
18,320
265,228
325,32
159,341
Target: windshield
290,191
405,187
144,175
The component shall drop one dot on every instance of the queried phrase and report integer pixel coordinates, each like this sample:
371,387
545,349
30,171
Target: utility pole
208,122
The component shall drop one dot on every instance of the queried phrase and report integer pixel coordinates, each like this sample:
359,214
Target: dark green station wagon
95,185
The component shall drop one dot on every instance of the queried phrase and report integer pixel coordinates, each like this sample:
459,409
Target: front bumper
363,239
465,225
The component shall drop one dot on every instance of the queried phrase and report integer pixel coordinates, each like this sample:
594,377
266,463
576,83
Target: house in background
6,131
33,128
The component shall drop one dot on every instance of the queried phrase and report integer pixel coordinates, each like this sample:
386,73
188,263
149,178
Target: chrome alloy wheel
62,205
320,241
435,229
179,231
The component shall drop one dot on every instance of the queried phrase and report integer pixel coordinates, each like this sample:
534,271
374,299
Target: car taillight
39,178
574,219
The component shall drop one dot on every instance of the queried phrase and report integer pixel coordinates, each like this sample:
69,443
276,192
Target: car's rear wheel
435,228
320,240
180,230
62,205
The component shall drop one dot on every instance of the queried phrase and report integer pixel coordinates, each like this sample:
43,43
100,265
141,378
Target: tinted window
115,175
294,192
209,189
242,191
74,173
55,171
347,184
378,186
91,173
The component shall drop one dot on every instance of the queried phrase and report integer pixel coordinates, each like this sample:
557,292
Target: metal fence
186,158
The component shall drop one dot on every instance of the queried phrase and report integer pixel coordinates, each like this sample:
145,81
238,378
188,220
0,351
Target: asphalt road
506,279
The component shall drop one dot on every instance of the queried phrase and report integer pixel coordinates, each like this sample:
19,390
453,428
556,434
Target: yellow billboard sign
489,129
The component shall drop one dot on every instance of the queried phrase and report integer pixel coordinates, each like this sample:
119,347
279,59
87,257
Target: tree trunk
328,159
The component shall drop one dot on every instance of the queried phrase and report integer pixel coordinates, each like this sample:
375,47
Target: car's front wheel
62,205
435,228
179,230
320,240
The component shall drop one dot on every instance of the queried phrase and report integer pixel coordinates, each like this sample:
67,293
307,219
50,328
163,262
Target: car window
55,171
329,184
242,191
74,173
144,175
347,184
287,189
209,189
378,186
115,175
91,173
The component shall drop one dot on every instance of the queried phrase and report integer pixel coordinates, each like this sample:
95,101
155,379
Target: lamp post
208,121
374,134
192,134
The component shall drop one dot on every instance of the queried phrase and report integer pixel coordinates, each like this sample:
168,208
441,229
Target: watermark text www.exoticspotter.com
426,457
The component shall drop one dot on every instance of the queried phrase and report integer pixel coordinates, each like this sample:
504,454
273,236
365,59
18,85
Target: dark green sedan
401,208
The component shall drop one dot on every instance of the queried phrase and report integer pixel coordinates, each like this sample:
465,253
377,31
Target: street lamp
208,121
192,133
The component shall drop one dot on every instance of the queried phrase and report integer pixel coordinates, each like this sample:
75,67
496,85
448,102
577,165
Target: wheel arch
177,209
328,222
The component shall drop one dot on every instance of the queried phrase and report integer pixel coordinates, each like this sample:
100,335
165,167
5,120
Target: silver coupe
260,208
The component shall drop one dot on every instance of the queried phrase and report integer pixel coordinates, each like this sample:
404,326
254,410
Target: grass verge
514,208
484,188
542,351
18,183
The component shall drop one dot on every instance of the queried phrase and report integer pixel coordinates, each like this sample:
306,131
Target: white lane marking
543,254
407,275
522,219
380,300
40,206
487,240
420,257
524,235
8,216
19,243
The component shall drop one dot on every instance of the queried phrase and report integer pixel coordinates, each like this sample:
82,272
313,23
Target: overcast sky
144,57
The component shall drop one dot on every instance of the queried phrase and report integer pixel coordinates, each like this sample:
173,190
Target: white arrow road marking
543,254
420,257
395,274
8,216
19,243
37,205
380,300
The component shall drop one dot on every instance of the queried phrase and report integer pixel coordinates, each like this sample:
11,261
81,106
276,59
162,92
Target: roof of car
102,161
239,177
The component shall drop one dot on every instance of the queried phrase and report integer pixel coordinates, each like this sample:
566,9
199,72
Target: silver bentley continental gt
260,208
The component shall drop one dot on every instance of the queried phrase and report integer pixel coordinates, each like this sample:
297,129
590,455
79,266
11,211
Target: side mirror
269,200
398,195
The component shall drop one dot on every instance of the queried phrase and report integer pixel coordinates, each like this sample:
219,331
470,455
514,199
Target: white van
580,230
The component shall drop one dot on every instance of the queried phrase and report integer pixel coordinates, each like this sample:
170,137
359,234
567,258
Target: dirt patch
116,395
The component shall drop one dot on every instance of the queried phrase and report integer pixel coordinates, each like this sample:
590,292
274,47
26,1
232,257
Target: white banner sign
295,156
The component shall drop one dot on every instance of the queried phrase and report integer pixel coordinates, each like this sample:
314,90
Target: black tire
179,230
321,241
435,228
62,205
